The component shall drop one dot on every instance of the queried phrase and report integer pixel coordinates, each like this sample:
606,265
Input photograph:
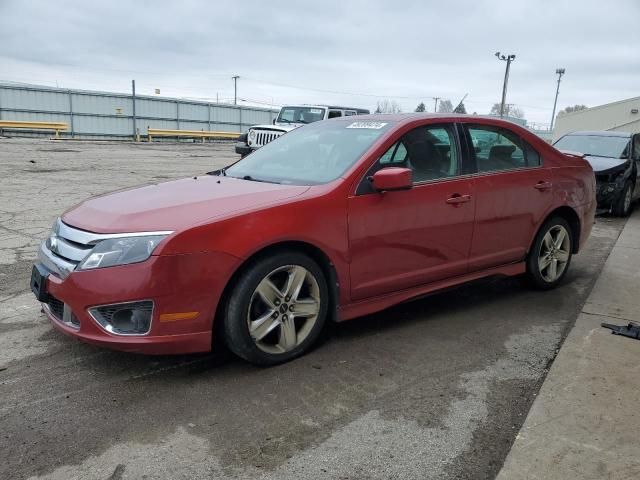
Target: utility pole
133,105
235,89
559,72
435,104
506,58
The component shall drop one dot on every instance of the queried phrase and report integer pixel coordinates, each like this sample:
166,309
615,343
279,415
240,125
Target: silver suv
289,118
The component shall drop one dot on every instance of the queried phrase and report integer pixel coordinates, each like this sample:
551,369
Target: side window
498,149
396,156
334,113
429,151
348,113
532,156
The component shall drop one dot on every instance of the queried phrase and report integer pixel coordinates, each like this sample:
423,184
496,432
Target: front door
406,238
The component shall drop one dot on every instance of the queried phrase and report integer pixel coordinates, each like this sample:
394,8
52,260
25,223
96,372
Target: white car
289,118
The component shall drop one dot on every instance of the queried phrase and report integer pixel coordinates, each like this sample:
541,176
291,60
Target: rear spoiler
569,153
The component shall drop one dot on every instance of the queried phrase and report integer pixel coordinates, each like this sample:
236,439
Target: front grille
62,312
67,243
262,138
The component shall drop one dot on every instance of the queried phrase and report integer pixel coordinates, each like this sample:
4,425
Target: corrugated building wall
93,114
622,116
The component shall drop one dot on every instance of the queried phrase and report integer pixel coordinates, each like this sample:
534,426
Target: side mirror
392,178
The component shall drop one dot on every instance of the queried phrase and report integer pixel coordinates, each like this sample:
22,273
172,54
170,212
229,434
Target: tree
460,108
421,107
495,109
514,112
575,108
510,110
388,106
445,106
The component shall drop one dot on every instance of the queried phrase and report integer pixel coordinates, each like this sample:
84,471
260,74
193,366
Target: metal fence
93,114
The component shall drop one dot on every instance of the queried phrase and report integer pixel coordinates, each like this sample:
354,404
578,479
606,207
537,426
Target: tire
277,309
541,272
622,204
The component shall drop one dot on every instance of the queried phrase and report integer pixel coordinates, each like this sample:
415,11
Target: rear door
513,193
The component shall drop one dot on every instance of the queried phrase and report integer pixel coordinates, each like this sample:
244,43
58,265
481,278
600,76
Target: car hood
175,205
278,127
602,164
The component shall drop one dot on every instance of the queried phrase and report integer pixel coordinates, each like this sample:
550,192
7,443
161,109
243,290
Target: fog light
131,318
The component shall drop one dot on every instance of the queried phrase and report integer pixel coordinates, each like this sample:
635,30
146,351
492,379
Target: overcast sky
327,51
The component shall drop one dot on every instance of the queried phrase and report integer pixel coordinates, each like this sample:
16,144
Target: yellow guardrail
56,126
162,132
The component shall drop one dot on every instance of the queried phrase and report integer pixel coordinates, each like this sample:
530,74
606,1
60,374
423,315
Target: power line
336,92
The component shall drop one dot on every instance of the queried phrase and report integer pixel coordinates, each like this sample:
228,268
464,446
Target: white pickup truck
290,117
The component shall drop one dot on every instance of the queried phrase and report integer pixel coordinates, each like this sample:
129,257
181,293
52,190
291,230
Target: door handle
542,185
457,199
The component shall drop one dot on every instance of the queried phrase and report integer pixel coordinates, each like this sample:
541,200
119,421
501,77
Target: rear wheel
277,309
622,204
550,256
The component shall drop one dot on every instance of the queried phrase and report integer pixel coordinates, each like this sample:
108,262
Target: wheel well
570,215
312,251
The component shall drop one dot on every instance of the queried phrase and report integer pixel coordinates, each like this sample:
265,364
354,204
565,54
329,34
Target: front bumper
608,189
175,284
243,149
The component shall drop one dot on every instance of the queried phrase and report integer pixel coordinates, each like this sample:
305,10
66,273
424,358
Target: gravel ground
436,388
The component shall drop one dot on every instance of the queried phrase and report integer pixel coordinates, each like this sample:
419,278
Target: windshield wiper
601,156
251,179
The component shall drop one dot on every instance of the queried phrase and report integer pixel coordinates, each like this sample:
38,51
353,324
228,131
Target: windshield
310,155
300,114
597,145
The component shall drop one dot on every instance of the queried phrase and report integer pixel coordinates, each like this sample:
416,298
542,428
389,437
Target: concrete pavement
585,422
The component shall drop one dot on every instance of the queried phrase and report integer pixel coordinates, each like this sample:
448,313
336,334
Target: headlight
120,251
252,134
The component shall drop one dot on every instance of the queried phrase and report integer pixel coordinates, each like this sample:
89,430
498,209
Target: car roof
600,133
327,106
406,117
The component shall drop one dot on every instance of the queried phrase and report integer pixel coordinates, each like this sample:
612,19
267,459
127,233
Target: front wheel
277,309
622,204
550,255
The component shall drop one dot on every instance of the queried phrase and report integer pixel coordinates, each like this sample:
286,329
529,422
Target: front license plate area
39,276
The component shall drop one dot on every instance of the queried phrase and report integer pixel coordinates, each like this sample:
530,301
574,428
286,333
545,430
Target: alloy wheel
283,309
555,251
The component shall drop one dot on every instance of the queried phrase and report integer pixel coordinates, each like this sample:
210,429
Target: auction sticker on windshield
373,125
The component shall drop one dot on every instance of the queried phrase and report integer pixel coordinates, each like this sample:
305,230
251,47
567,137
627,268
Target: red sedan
332,221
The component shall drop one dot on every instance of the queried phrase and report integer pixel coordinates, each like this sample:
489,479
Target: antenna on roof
461,101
